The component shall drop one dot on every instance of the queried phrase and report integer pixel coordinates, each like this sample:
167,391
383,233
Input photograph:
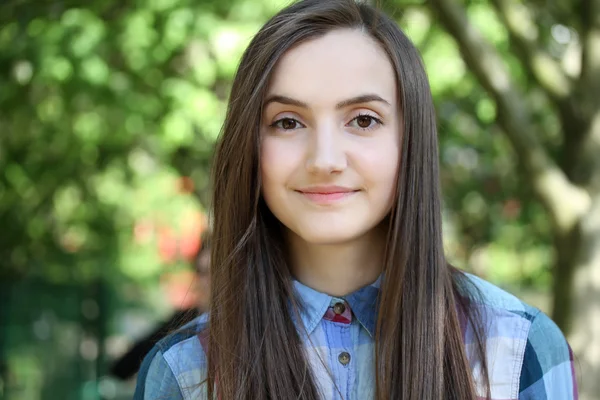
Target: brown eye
287,124
364,121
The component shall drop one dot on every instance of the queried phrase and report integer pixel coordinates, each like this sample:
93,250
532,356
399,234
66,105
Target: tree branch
548,181
588,164
590,56
562,11
523,31
549,75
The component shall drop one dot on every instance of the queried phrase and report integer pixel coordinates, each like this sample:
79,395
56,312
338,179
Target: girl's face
330,138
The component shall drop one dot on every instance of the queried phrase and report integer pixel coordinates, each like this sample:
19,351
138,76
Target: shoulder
491,296
528,356
175,368
504,314
505,318
548,366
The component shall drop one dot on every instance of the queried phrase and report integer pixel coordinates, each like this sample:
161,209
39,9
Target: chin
328,236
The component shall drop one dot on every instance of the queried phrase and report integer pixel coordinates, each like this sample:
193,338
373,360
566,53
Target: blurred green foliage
99,103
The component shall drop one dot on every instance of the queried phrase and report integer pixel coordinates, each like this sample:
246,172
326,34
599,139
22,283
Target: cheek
278,161
379,168
268,166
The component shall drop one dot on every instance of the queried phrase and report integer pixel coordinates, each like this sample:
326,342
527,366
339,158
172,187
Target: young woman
328,274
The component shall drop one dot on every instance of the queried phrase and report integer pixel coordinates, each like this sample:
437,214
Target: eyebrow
364,98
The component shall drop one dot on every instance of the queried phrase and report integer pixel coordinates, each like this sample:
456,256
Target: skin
331,119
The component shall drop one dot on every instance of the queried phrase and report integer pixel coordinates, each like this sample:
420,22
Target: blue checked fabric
528,357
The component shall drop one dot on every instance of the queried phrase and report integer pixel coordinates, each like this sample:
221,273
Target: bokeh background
109,110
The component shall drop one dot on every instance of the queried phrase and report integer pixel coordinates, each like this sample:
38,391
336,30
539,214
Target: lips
327,194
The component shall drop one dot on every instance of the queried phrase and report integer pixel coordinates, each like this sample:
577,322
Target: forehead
339,65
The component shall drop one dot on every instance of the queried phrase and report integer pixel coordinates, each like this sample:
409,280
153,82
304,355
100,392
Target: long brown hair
254,350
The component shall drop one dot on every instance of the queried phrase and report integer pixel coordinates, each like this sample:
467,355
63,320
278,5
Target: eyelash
362,115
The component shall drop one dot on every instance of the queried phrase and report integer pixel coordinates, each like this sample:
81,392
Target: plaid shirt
528,357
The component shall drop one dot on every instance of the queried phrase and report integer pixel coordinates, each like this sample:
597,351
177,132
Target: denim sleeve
156,380
548,371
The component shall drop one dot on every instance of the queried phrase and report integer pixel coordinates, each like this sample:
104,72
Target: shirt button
339,308
344,358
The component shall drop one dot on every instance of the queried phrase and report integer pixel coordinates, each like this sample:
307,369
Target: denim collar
314,304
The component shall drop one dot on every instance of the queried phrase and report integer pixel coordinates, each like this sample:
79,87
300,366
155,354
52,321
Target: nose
326,153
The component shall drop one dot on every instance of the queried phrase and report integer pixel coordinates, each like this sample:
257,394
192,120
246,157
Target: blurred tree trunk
567,184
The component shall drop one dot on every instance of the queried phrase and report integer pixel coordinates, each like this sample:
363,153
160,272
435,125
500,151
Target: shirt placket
338,324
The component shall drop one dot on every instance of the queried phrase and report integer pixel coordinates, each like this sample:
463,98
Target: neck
341,268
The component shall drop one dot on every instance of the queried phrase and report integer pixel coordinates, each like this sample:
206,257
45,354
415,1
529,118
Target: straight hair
254,349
